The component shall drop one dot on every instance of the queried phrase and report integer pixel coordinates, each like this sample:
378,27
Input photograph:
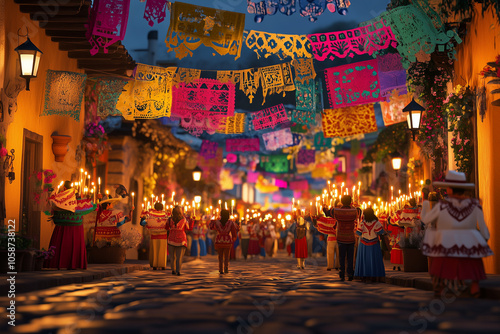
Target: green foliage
459,106
391,139
429,80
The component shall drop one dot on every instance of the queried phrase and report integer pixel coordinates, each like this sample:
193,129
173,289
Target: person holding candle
177,225
369,261
155,221
346,217
456,237
244,236
227,232
328,225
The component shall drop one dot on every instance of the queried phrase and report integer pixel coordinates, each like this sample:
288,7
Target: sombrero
454,179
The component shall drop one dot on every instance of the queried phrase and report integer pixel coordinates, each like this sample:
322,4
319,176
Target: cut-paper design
276,79
305,117
125,104
153,91
233,124
354,84
415,31
186,75
390,62
270,7
109,91
155,10
203,97
265,44
211,167
270,118
196,124
208,149
392,80
305,95
275,163
305,157
367,39
314,8
191,26
349,121
277,139
107,23
249,80
64,94
392,111
304,69
280,183
243,145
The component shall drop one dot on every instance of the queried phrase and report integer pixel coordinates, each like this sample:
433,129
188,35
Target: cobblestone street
257,296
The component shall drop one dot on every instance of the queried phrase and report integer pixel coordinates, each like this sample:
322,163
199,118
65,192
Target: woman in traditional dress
68,235
155,221
198,245
456,238
299,229
177,240
253,244
227,232
369,260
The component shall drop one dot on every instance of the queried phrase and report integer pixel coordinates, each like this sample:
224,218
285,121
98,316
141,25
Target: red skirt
253,247
457,268
396,255
301,248
70,252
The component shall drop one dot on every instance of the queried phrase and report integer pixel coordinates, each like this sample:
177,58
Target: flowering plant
492,69
459,105
3,150
129,238
47,254
42,185
95,138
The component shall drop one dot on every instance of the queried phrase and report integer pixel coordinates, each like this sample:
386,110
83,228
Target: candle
409,189
225,205
220,204
293,202
173,194
99,182
232,206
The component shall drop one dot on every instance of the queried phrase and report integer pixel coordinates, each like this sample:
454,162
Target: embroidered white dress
456,228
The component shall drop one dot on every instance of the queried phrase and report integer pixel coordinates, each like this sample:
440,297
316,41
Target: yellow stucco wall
482,45
29,107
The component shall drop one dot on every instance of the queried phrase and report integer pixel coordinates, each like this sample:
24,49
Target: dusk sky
138,28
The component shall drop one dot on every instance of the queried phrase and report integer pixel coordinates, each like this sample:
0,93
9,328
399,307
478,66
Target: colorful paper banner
243,145
368,39
353,84
392,111
153,91
349,121
64,94
305,157
270,118
266,44
302,185
208,149
191,26
277,139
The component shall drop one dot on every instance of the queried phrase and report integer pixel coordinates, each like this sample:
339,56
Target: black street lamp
197,174
414,116
29,59
397,160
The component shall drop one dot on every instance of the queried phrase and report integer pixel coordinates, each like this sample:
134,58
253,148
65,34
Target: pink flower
3,152
39,176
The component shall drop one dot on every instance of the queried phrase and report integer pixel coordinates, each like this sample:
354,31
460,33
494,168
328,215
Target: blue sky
138,28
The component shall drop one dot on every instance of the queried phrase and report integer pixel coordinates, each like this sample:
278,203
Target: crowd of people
353,237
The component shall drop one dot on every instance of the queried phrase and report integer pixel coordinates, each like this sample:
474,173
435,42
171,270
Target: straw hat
454,179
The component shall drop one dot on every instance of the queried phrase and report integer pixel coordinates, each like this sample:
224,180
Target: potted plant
113,250
12,242
43,255
95,140
413,259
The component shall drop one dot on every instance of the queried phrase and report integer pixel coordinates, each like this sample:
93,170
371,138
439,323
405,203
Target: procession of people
354,235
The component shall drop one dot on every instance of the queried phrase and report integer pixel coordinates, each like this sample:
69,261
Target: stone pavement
257,296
